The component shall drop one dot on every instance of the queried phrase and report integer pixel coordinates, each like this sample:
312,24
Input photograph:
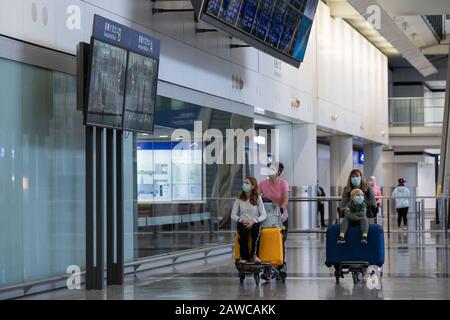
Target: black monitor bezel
88,87
252,40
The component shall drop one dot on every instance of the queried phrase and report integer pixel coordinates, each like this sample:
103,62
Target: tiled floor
417,267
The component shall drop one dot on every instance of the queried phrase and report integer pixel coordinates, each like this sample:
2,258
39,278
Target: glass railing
416,112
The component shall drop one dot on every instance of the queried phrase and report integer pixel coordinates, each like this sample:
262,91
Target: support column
341,152
298,153
90,233
373,162
99,209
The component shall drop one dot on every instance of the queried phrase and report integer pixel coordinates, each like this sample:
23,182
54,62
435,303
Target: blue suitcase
353,255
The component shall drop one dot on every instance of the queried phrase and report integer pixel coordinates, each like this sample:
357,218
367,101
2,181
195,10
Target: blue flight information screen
280,27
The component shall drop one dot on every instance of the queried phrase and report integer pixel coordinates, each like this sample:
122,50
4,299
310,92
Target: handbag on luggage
270,246
353,249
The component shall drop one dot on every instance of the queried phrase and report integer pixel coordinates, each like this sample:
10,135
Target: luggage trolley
271,250
354,257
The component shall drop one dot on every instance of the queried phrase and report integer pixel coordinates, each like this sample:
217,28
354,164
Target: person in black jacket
321,206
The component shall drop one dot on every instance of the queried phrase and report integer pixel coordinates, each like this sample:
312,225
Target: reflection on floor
417,267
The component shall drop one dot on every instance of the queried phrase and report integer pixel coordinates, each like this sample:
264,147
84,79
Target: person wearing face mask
376,190
355,212
248,211
276,190
356,180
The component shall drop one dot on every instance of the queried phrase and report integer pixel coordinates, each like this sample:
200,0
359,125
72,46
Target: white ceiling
392,36
436,85
415,7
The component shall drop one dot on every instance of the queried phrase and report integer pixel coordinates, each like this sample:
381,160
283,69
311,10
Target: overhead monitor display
106,85
123,77
142,79
280,28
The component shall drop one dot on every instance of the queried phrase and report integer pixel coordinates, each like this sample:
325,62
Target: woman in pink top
376,190
276,190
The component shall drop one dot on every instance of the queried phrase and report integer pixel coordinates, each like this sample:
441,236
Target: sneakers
243,261
341,240
405,228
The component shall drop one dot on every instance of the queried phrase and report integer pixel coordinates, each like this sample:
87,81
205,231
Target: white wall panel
211,74
426,183
171,67
351,79
67,33
245,57
271,68
39,21
11,22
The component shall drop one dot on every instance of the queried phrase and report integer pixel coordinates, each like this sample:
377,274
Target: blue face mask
356,181
359,199
246,187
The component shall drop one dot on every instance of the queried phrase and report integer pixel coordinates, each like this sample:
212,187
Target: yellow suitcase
270,246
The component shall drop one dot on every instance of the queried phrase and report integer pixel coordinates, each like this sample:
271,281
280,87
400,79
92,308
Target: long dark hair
253,194
349,187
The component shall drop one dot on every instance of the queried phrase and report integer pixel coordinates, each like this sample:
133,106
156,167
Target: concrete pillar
298,153
341,163
373,162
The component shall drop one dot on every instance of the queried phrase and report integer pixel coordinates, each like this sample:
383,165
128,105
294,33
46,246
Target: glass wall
183,201
42,178
42,219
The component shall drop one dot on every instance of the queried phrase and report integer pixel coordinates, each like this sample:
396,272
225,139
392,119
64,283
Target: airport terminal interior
143,142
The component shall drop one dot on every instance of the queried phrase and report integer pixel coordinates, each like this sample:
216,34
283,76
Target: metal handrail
175,256
380,197
407,98
335,198
443,205
27,286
